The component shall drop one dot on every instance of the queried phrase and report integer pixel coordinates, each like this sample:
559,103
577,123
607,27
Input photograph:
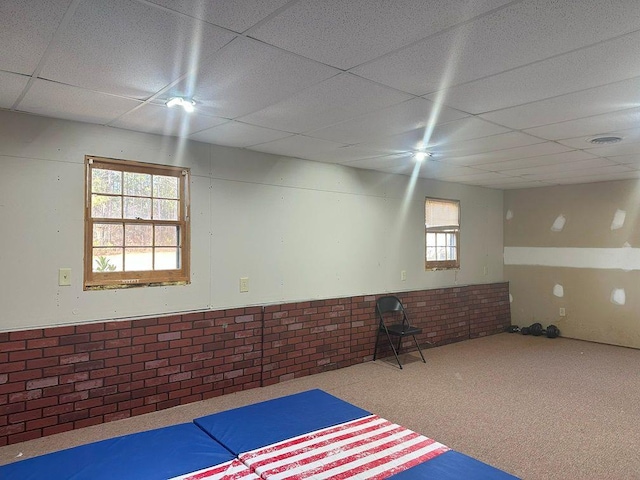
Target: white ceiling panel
598,177
336,99
299,146
589,126
631,160
129,49
346,155
484,144
506,166
475,178
11,86
519,185
440,136
561,168
247,76
236,134
585,103
616,149
510,37
527,151
26,28
399,118
176,122
236,15
62,101
577,70
569,176
346,34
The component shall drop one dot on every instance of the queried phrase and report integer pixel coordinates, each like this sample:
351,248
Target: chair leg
399,344
375,349
394,350
419,349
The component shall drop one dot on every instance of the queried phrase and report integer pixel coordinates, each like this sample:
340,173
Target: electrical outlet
562,312
244,284
64,277
403,275
485,270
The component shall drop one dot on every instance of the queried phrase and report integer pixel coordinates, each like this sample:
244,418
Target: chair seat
402,330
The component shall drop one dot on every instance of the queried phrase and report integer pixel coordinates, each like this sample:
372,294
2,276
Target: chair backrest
390,304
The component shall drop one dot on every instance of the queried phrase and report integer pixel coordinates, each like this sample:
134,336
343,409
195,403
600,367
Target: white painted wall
299,230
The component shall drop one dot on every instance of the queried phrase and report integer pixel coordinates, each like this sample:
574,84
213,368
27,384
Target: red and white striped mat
231,470
366,448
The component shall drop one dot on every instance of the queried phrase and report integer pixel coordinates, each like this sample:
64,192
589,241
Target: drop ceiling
503,94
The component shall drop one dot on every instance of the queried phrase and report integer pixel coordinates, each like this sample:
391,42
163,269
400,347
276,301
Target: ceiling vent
605,140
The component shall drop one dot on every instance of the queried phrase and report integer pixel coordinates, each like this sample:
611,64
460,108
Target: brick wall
62,378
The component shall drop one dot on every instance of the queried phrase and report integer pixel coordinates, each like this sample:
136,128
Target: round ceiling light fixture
605,139
422,155
186,103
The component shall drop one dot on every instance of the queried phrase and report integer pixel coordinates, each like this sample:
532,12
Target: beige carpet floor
535,407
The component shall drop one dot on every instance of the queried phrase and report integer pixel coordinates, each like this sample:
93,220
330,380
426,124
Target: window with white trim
136,224
442,233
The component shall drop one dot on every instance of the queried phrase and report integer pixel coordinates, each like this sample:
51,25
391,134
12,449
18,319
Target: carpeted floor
535,407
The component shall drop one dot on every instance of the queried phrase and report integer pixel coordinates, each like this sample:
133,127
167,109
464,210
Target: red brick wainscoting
61,378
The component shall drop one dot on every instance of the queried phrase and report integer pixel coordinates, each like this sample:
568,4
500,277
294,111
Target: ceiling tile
346,155
247,76
346,34
570,176
128,48
11,86
589,126
616,149
561,168
439,137
236,15
484,144
299,146
236,134
571,156
164,121
474,178
593,101
493,156
585,68
597,177
72,103
26,28
400,118
336,99
518,185
632,160
515,35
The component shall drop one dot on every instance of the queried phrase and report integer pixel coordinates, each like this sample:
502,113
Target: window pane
167,258
441,239
107,234
431,239
165,209
107,260
106,181
138,184
441,253
139,208
431,254
138,259
106,207
165,187
138,235
452,253
166,236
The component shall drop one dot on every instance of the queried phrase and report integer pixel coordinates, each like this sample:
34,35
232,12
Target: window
136,224
442,233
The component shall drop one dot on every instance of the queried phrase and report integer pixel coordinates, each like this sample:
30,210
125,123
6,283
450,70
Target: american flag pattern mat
366,448
231,470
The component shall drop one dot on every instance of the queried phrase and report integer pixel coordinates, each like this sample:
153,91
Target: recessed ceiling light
185,103
605,139
421,156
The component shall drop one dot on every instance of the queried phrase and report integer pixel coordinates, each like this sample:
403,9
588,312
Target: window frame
449,229
125,279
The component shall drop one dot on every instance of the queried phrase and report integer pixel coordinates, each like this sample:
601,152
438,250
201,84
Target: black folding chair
392,307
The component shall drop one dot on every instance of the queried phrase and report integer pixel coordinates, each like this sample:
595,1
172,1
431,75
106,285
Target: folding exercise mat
179,452
316,435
